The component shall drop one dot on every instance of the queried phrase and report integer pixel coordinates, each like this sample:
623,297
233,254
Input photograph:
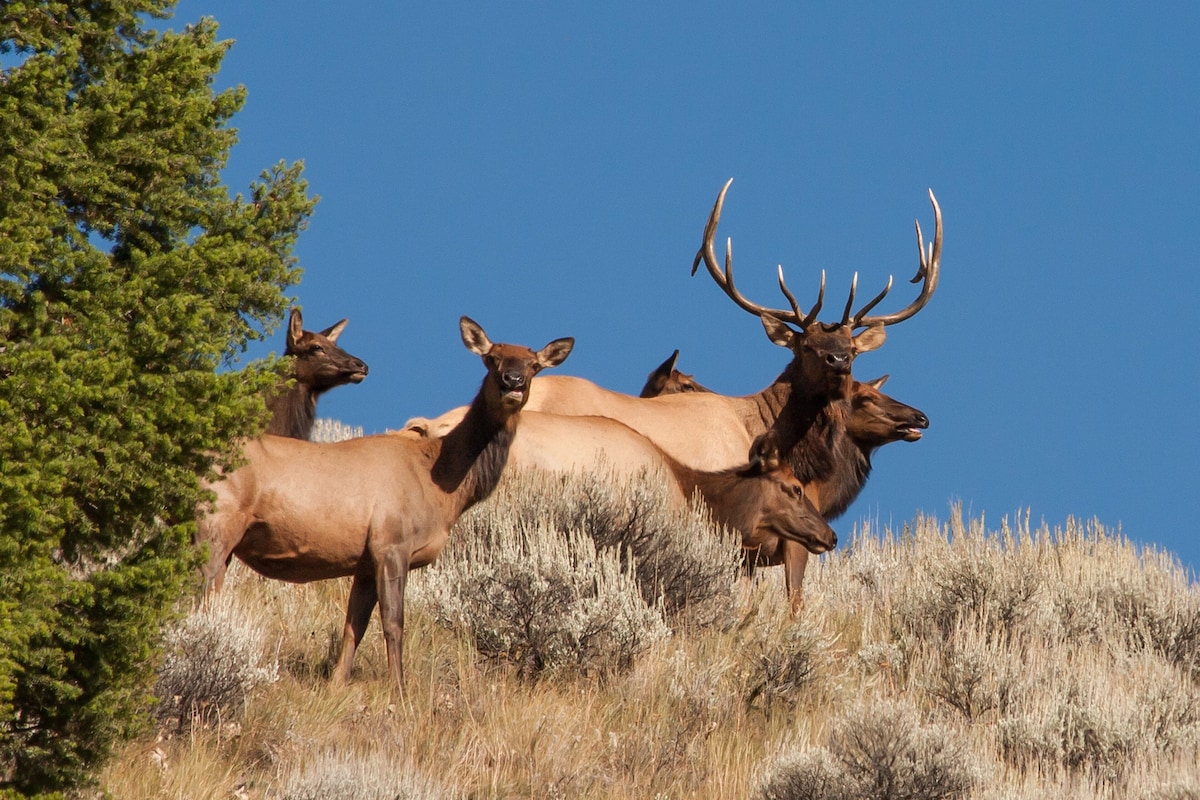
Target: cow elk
872,419
373,508
318,365
665,379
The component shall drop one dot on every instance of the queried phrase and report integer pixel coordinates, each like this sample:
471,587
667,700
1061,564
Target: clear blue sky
547,169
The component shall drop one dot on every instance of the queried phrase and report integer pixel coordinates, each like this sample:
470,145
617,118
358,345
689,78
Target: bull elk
318,365
762,500
711,431
373,508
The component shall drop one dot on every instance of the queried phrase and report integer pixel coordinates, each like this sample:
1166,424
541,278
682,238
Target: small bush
550,602
679,558
777,664
213,660
875,753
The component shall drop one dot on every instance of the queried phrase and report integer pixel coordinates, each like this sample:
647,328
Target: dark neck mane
830,462
473,454
790,408
293,411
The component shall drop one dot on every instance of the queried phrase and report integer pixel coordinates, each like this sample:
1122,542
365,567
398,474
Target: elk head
777,502
319,363
665,379
876,419
823,352
510,367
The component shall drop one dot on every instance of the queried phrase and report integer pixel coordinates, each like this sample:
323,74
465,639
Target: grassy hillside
577,642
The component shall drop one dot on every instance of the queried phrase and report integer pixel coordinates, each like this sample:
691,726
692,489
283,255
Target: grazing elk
762,500
665,379
712,431
318,365
375,507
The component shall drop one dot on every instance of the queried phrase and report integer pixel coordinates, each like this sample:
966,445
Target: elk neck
792,407
474,452
293,411
830,463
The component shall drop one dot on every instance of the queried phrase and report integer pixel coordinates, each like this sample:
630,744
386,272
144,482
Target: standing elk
375,507
711,431
318,365
665,379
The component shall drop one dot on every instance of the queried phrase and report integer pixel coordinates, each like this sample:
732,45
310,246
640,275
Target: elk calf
375,507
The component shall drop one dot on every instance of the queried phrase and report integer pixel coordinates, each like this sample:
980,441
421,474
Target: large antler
724,278
929,270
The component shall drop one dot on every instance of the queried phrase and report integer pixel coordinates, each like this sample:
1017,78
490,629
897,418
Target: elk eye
317,348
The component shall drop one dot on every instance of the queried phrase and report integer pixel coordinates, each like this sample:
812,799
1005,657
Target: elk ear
295,328
878,382
474,337
764,453
556,352
870,339
335,330
777,331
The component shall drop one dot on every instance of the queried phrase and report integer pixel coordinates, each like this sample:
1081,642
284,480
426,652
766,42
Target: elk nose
359,365
832,541
839,361
922,421
511,379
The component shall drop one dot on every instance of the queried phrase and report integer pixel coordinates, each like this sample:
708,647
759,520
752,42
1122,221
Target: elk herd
775,467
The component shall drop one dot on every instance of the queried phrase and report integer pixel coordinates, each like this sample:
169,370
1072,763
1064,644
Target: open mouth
357,377
908,433
514,396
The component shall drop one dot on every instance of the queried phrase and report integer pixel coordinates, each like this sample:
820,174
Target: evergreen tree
128,278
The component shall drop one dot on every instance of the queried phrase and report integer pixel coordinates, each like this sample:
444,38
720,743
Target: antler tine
724,278
850,301
929,271
809,318
862,312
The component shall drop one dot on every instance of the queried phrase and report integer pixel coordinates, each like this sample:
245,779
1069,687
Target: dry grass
944,660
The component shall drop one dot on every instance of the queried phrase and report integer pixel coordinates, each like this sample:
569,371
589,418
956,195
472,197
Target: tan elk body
375,507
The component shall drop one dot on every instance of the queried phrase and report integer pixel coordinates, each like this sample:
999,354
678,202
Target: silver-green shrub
875,752
214,658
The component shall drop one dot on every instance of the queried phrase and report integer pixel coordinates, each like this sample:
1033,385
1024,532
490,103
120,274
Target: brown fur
373,508
318,365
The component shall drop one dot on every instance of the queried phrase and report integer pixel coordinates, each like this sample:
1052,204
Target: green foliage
128,275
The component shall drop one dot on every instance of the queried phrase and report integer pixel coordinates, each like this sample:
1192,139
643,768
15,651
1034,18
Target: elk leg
363,596
391,575
795,562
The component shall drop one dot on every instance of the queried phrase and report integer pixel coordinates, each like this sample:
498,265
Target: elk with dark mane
374,507
710,431
872,419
